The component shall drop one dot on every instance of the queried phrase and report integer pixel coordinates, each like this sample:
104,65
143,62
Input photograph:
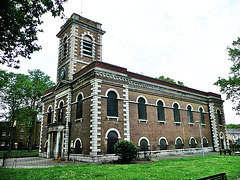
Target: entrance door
222,145
112,140
78,149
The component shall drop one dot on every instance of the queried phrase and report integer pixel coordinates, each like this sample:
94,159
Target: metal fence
235,147
32,161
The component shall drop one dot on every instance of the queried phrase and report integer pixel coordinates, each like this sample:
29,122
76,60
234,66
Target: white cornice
148,85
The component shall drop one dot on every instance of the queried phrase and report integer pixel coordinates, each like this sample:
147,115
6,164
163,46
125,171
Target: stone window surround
189,142
143,138
161,139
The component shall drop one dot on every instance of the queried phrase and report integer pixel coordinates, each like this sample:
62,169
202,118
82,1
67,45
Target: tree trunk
11,137
31,133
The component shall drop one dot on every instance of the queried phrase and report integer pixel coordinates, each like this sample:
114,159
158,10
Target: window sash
201,117
49,117
142,110
79,109
190,116
219,117
193,143
205,143
112,104
160,112
163,144
60,113
179,144
176,114
143,145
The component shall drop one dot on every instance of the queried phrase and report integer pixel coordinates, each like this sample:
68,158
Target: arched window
219,117
87,46
64,48
143,145
111,141
78,147
79,107
49,117
201,116
163,144
160,111
205,142
179,143
176,113
190,114
112,104
192,143
60,112
142,109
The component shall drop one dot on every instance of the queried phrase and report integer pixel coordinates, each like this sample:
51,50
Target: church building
96,104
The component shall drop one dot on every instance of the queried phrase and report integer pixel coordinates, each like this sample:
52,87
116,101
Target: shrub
126,150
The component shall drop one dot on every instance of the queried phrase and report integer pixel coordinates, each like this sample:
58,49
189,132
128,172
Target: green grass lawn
185,168
19,153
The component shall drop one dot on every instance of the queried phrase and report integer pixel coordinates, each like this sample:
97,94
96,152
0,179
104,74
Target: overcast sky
183,40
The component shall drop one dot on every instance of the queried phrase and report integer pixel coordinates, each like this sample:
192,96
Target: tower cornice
83,22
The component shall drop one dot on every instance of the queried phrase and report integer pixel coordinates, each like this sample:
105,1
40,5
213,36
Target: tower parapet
80,43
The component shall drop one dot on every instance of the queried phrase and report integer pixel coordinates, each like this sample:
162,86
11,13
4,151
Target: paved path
34,162
178,156
39,162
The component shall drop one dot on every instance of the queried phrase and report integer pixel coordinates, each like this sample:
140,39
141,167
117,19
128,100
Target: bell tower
80,43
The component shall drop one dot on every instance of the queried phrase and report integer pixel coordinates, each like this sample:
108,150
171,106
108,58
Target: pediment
61,84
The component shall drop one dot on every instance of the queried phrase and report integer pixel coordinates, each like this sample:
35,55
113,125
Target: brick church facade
96,104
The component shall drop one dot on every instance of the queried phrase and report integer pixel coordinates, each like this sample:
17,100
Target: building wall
152,129
19,135
81,128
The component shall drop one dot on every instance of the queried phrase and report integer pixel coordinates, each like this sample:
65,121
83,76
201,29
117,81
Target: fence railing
235,147
10,160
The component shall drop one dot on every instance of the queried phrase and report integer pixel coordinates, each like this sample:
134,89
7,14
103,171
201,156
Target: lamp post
201,136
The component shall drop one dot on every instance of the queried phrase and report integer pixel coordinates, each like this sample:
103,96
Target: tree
19,22
11,97
126,150
38,83
231,85
21,95
170,80
233,126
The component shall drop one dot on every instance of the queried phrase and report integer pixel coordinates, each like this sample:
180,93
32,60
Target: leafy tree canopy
231,85
20,97
170,80
19,22
20,90
233,126
11,92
